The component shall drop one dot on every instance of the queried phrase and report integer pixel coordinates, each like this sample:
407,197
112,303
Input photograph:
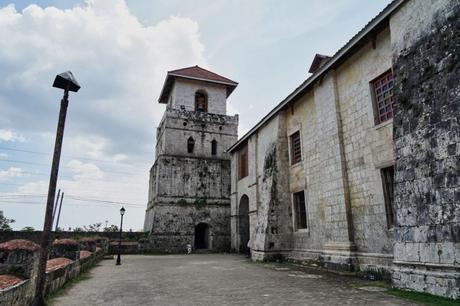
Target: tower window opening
213,147
201,101
190,145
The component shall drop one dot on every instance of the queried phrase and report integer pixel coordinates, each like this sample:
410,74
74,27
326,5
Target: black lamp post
122,212
67,82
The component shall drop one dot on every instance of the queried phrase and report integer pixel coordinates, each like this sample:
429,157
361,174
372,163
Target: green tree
5,223
111,228
28,229
96,227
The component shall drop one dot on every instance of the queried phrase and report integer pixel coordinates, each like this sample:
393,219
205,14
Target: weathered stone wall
367,147
197,177
178,125
174,226
265,187
342,153
427,143
302,116
189,188
184,90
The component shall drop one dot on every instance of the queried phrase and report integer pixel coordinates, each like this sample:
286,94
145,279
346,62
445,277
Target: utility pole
59,213
67,82
55,206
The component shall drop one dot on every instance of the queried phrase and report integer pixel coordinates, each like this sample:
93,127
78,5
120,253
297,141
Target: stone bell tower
189,190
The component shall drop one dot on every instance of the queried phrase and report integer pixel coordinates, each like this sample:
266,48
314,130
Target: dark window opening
388,181
202,236
201,102
213,147
383,97
300,210
243,162
296,148
190,145
243,224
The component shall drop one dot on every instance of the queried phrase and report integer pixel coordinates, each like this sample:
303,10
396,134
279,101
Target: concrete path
215,279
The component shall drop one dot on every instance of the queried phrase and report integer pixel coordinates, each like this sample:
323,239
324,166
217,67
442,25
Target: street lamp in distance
122,212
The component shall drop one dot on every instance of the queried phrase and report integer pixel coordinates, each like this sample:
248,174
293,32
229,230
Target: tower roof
194,73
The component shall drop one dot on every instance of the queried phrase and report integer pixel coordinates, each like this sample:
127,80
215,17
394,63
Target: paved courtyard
215,279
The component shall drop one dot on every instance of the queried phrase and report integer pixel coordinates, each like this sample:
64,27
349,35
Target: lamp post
67,82
122,212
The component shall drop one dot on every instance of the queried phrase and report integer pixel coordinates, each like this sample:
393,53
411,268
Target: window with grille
243,162
387,181
296,148
300,210
383,97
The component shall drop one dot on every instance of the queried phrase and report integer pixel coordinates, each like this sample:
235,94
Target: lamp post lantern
67,82
122,212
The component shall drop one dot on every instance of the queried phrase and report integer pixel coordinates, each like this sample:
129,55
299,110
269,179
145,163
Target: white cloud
84,170
119,62
3,155
11,172
9,135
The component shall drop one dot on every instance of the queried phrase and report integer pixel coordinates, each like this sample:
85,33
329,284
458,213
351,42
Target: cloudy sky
119,51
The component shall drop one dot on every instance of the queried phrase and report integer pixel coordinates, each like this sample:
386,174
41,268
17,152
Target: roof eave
161,99
204,79
310,80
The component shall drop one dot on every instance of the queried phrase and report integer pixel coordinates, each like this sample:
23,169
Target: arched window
201,101
213,147
190,145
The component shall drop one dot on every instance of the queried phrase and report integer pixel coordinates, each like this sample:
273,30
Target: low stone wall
18,295
16,263
37,235
129,247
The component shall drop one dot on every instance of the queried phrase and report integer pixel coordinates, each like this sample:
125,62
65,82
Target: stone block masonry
427,144
189,191
377,129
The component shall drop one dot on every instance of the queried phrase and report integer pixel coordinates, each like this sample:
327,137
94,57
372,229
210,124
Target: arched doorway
202,236
243,224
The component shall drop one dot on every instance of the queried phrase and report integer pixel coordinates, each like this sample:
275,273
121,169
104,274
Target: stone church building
189,190
358,167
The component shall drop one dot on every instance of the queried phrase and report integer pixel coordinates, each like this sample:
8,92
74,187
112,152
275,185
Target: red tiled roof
88,239
65,241
194,73
19,244
197,72
84,254
56,263
9,280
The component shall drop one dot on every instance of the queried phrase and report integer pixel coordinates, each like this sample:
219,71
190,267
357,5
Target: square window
382,88
387,182
300,210
243,162
296,148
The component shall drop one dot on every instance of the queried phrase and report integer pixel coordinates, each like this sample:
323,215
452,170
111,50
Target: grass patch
84,275
423,298
358,280
382,284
